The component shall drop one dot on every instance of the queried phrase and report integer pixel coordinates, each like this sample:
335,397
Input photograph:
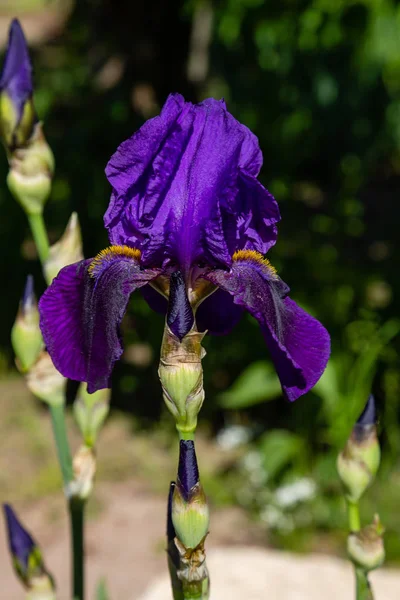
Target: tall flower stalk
29,180
357,466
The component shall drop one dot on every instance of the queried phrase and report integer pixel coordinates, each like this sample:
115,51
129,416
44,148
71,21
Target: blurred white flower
295,492
232,436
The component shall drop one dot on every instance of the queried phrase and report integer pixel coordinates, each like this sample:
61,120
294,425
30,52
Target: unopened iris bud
45,382
31,172
365,547
66,251
17,113
27,557
180,318
190,515
180,370
90,412
26,337
359,461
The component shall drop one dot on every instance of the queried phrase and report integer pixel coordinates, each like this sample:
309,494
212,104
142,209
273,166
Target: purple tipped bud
26,337
17,115
359,461
180,316
188,472
368,416
189,510
28,300
20,542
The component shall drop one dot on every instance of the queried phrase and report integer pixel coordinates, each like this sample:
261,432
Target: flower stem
186,435
57,412
75,505
40,237
363,588
77,512
353,512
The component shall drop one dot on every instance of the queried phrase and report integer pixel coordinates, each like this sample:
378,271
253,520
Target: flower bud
359,461
181,376
45,382
190,515
66,251
365,547
17,113
27,557
31,171
90,412
84,465
26,337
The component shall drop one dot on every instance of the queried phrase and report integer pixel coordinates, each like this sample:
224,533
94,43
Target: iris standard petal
82,310
298,343
183,188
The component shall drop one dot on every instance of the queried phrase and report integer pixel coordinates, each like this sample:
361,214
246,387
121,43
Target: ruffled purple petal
218,314
298,343
80,315
16,78
184,188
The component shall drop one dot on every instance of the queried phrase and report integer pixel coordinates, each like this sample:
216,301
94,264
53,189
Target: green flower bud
26,337
358,463
365,547
90,412
190,514
181,376
31,171
66,251
45,382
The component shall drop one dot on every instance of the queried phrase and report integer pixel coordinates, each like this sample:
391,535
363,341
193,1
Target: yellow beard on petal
254,257
108,254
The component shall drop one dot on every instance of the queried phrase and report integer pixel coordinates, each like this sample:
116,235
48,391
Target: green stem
57,412
353,511
77,513
363,588
185,435
40,237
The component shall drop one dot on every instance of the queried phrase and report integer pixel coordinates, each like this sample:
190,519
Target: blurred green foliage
319,83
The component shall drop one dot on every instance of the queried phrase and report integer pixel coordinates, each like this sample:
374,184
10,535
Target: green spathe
190,518
365,547
358,463
181,376
90,411
15,130
26,337
31,171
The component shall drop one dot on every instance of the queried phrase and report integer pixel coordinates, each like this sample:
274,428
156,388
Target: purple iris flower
189,221
16,84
